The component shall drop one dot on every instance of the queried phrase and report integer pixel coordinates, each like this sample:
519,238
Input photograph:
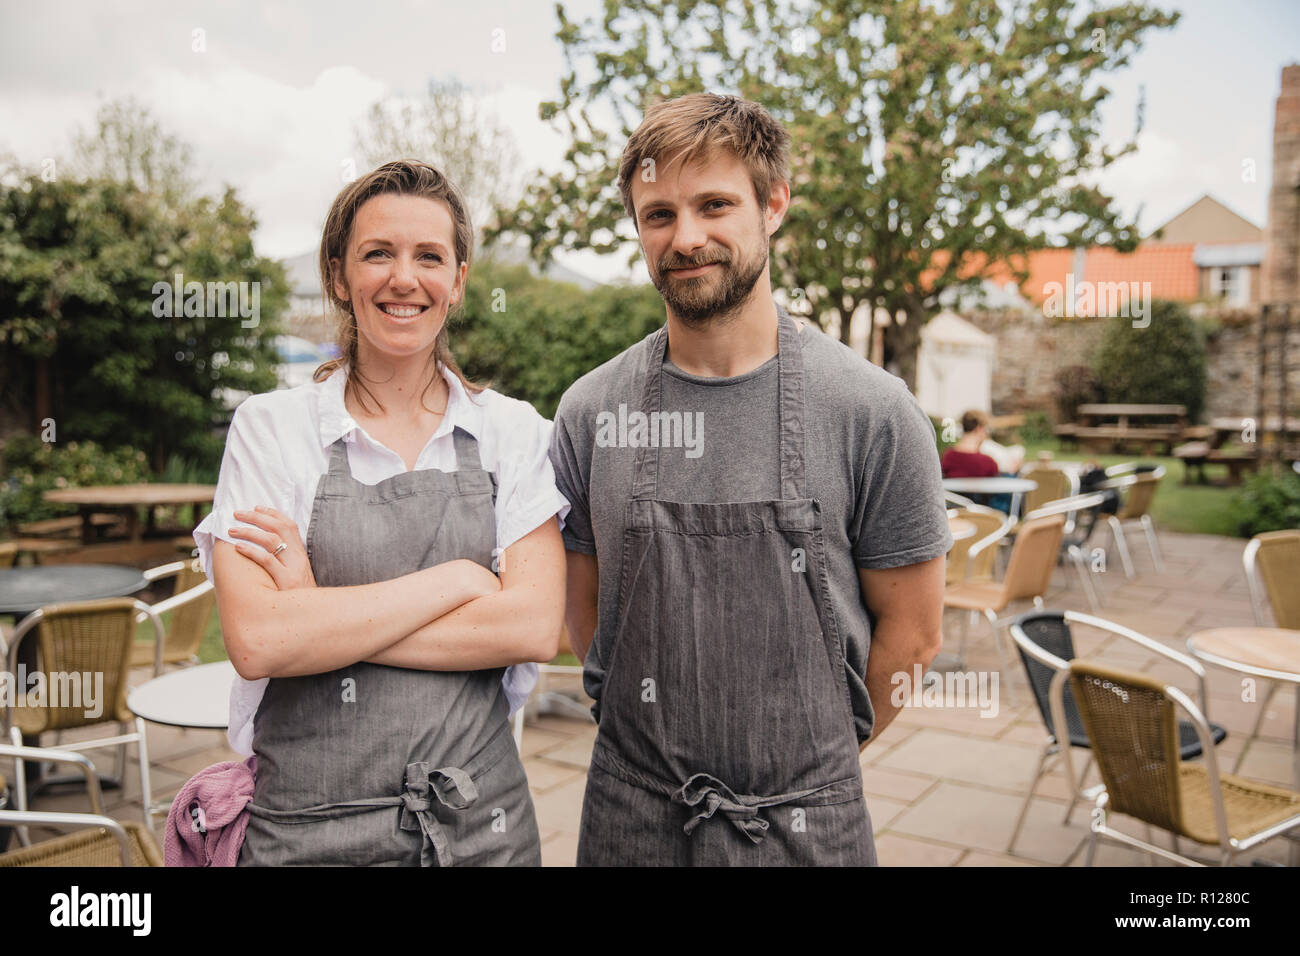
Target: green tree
80,341
128,145
533,337
929,140
1162,364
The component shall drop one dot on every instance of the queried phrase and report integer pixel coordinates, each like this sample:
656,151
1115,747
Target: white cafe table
1000,485
197,697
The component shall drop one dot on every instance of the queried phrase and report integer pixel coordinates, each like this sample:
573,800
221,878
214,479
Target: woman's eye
376,252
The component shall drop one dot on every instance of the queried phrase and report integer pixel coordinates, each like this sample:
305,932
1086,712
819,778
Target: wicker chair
1082,515
110,843
8,553
1141,487
190,605
1053,484
1130,721
86,637
974,558
1029,573
1046,645
1272,563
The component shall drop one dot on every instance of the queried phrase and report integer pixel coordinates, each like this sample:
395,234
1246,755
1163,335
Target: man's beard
709,298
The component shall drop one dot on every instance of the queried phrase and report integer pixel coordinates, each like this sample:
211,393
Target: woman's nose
403,273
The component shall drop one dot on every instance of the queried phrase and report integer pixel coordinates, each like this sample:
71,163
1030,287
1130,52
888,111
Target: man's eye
717,204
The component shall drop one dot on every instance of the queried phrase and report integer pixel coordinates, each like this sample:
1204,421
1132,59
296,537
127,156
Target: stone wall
1031,349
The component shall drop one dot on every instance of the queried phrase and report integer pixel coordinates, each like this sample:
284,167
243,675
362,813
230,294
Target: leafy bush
1268,502
32,467
533,337
1075,385
1163,363
1037,428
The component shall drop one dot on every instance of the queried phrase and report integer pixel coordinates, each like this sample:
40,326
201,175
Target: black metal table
23,590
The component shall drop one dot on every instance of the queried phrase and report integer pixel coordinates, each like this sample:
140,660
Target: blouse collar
337,422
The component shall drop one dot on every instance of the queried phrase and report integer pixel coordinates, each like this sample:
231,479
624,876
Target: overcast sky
271,103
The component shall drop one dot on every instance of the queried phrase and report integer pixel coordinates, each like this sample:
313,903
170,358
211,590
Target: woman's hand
289,568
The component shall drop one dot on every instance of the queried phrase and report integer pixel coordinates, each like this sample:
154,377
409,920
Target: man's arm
907,603
580,606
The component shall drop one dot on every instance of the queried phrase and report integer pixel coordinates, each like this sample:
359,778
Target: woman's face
400,274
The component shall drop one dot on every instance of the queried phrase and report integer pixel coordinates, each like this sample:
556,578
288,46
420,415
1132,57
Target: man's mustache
678,263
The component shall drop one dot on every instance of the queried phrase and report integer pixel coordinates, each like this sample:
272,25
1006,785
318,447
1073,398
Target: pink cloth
221,793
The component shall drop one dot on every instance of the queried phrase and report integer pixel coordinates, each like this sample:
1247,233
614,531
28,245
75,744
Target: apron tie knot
450,786
708,794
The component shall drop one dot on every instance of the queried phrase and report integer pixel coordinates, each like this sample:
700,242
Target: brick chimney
1282,265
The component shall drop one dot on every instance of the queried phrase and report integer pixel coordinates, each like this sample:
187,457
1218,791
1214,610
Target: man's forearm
896,646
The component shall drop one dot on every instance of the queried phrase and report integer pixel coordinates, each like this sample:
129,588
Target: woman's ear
336,275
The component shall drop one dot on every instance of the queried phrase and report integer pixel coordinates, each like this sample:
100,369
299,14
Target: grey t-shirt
871,464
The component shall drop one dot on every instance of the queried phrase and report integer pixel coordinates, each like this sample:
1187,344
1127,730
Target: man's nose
689,236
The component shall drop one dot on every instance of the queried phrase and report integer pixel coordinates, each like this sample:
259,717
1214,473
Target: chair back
1140,492
1132,726
988,522
1048,631
1053,483
1033,558
1272,569
8,553
189,620
75,640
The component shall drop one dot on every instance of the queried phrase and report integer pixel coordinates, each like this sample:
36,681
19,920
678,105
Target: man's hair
972,420
698,125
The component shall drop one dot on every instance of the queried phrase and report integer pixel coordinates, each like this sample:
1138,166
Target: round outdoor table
23,590
1015,487
196,697
1269,652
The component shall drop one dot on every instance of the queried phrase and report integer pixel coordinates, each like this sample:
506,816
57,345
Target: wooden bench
1238,461
1115,427
1193,455
63,527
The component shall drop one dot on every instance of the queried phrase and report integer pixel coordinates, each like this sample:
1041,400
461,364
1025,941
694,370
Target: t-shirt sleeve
526,491
571,457
899,516
252,474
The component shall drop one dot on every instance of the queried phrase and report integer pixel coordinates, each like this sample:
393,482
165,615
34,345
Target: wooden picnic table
125,499
1102,427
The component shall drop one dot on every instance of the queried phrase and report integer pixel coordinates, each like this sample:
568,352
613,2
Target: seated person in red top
964,459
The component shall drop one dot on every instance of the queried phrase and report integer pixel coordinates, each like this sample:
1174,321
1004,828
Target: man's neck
725,349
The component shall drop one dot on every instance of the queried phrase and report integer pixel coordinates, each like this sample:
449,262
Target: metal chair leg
1085,578
1048,749
1151,838
1075,796
1259,723
146,794
1117,532
1149,527
1092,847
1002,658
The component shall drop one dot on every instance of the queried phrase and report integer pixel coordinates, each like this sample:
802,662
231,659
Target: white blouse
278,447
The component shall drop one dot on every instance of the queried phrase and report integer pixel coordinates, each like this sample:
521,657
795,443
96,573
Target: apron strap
466,450
790,398
339,459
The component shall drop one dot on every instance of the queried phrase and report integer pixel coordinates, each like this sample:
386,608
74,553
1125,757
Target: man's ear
778,202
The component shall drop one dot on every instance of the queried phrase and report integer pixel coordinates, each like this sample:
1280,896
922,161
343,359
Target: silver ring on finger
283,547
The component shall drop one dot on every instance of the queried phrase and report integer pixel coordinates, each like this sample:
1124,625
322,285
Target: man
757,533
965,459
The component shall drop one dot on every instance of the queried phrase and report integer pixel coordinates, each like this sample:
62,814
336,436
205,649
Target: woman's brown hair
402,177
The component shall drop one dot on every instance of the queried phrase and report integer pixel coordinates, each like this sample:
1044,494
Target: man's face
705,236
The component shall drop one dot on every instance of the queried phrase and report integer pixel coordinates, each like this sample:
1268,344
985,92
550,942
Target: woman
374,657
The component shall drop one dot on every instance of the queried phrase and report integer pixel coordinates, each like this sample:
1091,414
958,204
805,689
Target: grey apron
726,734
384,766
